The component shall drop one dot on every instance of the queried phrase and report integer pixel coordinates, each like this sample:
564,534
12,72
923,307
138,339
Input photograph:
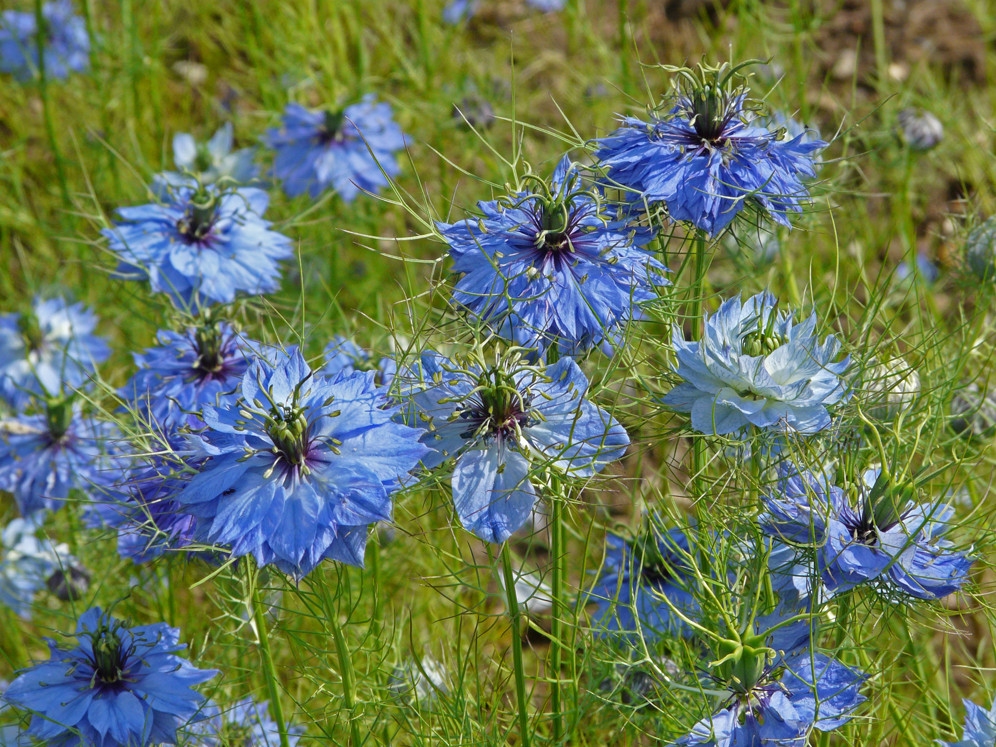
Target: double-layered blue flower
118,686
299,465
26,562
755,367
552,268
885,538
47,350
242,724
188,369
65,43
642,584
349,150
214,160
980,727
43,457
786,701
707,158
201,245
502,422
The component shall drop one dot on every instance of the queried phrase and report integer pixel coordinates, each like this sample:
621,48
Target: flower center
761,342
58,417
289,431
555,223
710,113
203,161
331,129
497,409
198,219
744,662
235,735
31,332
109,657
210,347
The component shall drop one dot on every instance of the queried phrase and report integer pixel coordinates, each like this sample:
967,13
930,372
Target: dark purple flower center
710,111
110,658
198,220
496,410
31,332
332,129
213,350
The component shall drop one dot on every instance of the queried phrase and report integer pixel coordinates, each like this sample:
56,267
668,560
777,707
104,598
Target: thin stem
514,615
559,552
40,24
698,293
346,671
269,670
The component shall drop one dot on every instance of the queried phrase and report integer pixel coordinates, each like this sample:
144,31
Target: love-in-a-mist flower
201,244
299,465
645,587
26,563
344,355
776,701
886,537
754,366
119,685
187,370
214,160
48,349
45,456
349,150
709,156
501,422
65,42
552,267
980,727
245,723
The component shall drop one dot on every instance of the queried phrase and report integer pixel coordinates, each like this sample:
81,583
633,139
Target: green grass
367,269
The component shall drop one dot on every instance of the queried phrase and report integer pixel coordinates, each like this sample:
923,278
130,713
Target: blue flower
66,43
641,584
460,10
26,562
349,150
244,723
43,457
346,356
552,268
785,702
754,366
118,686
300,464
201,245
186,371
47,350
502,422
923,270
707,158
980,727
887,539
214,160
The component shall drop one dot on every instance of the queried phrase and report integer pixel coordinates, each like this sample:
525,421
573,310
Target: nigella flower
118,686
47,350
186,371
980,727
351,149
755,366
66,45
344,355
772,700
921,270
708,156
26,562
885,538
980,250
299,465
500,423
643,584
919,129
201,245
242,724
214,160
43,457
552,268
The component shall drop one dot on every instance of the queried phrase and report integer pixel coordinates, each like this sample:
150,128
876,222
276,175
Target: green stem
514,615
269,670
698,294
559,552
46,106
346,672
881,53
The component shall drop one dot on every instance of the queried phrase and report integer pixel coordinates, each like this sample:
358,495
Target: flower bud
973,412
980,250
69,584
920,129
890,388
